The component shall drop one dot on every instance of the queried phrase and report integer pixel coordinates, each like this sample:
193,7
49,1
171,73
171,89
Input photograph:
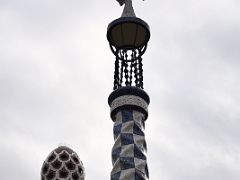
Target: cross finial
121,2
128,9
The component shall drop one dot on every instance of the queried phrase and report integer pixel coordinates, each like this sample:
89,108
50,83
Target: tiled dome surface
62,164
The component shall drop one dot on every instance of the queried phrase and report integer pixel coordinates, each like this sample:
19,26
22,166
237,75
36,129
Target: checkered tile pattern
128,153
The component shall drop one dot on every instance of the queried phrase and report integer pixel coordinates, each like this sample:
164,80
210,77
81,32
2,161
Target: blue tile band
129,151
129,113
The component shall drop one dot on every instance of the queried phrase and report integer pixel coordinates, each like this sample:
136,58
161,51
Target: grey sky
56,72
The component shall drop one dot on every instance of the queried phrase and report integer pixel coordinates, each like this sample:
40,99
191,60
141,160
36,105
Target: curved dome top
128,32
62,163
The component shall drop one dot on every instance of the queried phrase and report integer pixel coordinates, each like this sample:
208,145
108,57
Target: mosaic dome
62,164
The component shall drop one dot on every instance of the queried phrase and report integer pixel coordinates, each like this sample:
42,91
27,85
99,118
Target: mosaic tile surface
62,164
129,151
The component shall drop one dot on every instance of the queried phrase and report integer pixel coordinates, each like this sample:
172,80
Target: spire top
128,10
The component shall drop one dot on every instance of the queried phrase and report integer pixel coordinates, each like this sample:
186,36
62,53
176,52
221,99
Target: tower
128,37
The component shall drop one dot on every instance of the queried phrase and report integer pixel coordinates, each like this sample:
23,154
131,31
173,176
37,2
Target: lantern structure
128,37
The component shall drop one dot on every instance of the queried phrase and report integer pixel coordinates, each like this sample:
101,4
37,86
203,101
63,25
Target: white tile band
129,100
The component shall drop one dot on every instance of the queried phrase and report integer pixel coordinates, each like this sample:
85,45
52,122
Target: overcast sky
56,72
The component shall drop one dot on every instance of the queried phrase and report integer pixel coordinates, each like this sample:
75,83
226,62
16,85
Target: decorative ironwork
128,68
128,38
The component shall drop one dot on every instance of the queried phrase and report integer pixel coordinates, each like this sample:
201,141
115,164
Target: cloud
56,72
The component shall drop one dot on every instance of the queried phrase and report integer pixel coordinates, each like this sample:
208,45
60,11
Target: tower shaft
129,113
128,153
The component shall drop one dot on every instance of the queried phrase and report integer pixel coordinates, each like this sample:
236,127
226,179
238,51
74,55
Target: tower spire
128,10
128,37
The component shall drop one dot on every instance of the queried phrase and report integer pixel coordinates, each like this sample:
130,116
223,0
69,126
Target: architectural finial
128,10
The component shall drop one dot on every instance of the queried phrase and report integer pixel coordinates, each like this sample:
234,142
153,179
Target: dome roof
62,163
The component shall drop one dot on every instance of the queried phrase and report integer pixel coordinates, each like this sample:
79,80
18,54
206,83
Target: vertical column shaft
129,112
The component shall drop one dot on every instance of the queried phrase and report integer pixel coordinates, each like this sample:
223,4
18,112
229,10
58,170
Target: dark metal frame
121,53
117,50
